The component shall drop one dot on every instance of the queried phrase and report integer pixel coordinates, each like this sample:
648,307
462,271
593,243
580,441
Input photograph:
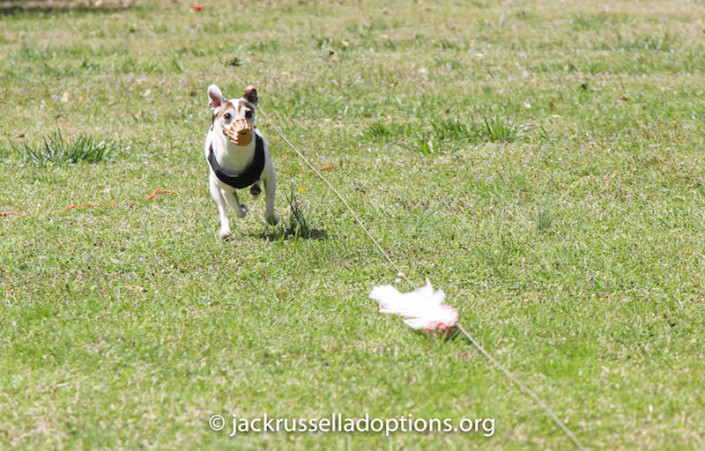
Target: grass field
541,162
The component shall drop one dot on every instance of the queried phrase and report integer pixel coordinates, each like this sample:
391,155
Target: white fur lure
423,308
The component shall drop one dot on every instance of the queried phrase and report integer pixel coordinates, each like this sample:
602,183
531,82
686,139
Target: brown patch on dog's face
226,114
246,110
229,112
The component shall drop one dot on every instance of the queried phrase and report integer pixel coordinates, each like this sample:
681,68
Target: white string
340,196
479,347
525,389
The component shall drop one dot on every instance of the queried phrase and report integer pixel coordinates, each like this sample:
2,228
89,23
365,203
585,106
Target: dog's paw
271,219
224,234
255,190
243,211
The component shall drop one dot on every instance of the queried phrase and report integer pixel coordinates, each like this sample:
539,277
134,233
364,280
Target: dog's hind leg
224,231
234,202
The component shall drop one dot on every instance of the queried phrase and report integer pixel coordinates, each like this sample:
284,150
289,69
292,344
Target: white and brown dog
238,156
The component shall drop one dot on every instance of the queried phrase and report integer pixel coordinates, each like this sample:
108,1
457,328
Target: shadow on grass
297,227
281,234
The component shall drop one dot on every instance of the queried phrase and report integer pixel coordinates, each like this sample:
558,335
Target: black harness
248,176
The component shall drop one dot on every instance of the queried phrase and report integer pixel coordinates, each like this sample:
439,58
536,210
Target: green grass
447,135
542,165
61,151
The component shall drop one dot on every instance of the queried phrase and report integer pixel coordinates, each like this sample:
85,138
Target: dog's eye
227,116
248,114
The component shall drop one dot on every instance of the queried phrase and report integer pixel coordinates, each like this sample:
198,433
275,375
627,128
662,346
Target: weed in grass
444,136
5,152
365,29
271,45
448,135
87,65
321,42
62,151
544,219
646,43
421,142
424,219
552,67
235,61
498,129
491,258
298,226
388,130
451,64
599,21
445,44
454,130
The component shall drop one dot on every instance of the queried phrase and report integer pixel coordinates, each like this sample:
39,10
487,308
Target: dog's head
235,117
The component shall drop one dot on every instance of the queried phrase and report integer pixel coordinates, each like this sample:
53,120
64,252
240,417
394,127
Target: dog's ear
215,97
251,95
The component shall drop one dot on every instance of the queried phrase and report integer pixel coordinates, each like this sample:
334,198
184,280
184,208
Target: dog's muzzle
239,133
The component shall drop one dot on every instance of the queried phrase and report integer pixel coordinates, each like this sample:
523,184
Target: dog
238,156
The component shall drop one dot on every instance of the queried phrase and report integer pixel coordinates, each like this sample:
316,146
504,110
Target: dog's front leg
234,202
224,231
270,187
